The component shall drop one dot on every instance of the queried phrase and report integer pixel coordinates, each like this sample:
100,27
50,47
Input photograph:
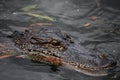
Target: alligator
60,48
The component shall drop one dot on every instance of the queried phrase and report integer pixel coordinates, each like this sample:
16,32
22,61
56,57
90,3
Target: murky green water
65,15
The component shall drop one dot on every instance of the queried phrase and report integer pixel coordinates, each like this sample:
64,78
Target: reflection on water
70,17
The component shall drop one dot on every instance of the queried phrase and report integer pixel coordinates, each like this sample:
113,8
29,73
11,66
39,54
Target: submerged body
58,48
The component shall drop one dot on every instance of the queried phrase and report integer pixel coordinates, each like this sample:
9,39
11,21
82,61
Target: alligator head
57,48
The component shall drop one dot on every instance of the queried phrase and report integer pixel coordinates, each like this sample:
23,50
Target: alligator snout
94,65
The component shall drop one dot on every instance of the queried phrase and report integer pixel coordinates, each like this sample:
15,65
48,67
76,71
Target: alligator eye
55,43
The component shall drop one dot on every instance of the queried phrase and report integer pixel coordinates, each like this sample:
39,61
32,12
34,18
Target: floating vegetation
27,10
87,24
29,7
36,15
41,16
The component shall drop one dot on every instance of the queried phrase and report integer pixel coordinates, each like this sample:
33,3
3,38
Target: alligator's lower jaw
93,73
101,70
104,72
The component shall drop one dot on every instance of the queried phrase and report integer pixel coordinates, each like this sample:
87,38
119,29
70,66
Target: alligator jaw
92,70
102,70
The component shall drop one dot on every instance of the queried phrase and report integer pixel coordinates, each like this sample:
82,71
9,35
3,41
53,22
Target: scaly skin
57,48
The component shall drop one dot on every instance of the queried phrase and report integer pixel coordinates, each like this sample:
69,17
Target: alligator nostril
101,56
114,63
110,65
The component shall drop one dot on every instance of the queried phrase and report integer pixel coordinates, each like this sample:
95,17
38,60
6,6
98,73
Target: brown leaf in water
93,18
41,24
5,56
86,24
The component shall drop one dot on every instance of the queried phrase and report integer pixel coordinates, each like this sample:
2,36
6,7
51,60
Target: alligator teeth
76,66
80,65
72,63
95,68
83,66
50,53
31,49
45,52
24,49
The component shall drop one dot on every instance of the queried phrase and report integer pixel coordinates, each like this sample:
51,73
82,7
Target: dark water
70,16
